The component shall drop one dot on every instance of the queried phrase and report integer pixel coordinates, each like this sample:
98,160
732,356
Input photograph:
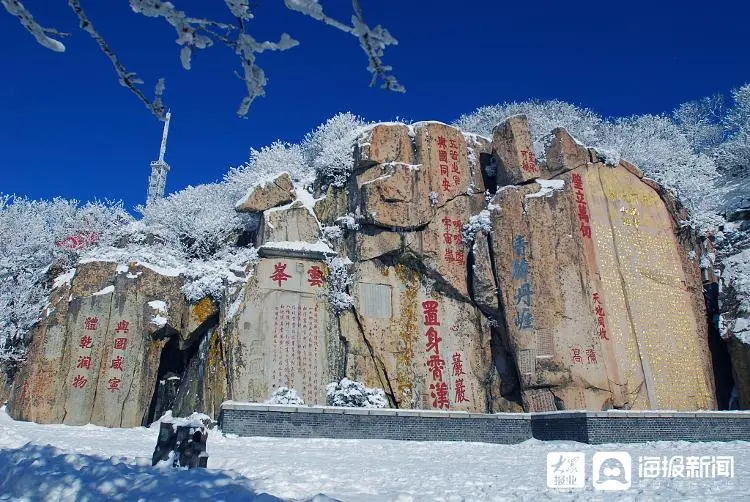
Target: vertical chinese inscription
296,355
435,363
583,214
520,277
458,375
601,326
453,241
84,348
528,162
450,172
120,347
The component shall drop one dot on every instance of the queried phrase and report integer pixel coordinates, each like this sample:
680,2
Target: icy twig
16,8
127,78
372,40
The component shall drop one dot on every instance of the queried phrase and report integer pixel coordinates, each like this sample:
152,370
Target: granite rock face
452,271
274,193
597,301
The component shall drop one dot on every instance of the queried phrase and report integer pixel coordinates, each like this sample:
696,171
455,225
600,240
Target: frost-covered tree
653,142
200,220
543,116
734,154
233,31
38,241
329,149
701,122
269,162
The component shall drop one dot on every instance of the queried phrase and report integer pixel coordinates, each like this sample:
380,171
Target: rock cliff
452,271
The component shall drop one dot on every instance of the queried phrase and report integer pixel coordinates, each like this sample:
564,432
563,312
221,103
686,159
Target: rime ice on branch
200,33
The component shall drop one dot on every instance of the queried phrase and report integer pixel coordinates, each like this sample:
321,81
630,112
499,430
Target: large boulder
403,195
281,334
93,358
514,152
272,193
425,348
292,223
599,310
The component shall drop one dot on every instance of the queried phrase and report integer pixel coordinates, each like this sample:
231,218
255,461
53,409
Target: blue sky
68,129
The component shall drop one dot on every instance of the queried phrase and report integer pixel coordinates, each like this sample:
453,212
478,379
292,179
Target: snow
285,396
547,188
158,305
320,246
159,321
65,278
122,268
350,394
64,463
106,291
158,260
260,185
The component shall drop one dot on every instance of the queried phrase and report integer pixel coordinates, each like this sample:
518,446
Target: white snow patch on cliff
547,188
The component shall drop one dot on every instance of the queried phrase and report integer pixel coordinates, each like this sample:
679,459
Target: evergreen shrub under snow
350,394
285,395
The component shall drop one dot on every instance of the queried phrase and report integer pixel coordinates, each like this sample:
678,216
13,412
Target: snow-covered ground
57,462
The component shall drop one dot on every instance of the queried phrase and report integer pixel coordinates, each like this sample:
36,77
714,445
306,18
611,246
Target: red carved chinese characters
279,273
430,310
433,341
577,357
84,362
601,326
86,342
114,384
116,363
528,161
315,276
122,327
583,215
435,363
452,236
458,365
448,162
79,382
90,323
439,393
460,391
121,343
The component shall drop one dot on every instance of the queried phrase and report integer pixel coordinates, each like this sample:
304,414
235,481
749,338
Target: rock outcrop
453,271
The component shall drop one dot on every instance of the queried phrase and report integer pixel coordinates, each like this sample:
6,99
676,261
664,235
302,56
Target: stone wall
247,419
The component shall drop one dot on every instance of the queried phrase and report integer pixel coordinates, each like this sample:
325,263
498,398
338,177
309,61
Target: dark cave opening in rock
173,364
722,363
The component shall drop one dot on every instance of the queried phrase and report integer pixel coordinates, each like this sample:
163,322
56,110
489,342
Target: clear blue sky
68,129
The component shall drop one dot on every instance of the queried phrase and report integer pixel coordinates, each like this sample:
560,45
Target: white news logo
611,470
566,470
683,466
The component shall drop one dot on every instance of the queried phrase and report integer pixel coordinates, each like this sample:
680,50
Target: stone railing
251,419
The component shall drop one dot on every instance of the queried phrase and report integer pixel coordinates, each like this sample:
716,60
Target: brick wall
249,419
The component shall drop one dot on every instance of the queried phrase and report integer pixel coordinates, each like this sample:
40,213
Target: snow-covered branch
372,40
197,33
126,78
16,8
